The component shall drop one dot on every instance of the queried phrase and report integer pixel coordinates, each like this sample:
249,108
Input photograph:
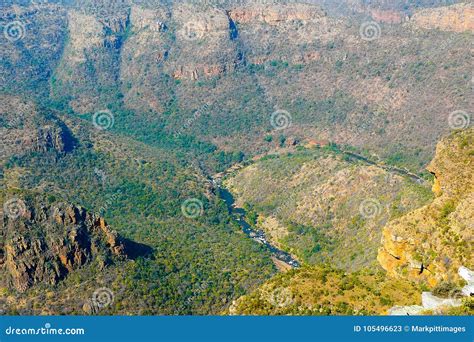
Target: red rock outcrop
275,14
384,16
46,242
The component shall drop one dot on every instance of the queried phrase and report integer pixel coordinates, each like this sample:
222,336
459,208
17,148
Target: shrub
446,289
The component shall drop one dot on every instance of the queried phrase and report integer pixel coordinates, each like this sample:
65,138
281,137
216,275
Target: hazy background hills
243,62
127,108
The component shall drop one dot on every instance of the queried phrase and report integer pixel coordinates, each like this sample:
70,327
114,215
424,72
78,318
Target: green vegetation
447,289
308,242
325,226
322,290
140,191
185,110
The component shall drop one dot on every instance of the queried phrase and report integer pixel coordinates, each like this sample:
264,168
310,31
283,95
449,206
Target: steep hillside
388,11
324,206
421,250
120,112
22,129
43,243
147,195
456,18
431,243
30,46
217,73
325,291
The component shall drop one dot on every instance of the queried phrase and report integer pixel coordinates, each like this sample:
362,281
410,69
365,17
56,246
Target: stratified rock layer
47,242
432,242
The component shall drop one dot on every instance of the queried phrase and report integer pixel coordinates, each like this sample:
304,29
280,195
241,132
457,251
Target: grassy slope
320,290
319,217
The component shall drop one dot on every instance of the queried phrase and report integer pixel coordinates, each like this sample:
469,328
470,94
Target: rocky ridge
432,242
429,246
23,129
241,60
44,243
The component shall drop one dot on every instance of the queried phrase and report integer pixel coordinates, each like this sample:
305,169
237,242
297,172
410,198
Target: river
388,168
238,214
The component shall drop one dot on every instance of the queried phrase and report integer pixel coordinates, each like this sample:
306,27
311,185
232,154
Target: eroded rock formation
432,242
23,129
46,242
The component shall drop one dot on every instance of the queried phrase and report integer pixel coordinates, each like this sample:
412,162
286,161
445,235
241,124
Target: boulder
466,274
430,301
405,310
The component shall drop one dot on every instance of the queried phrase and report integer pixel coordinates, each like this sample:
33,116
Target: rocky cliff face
385,16
43,243
23,129
282,32
240,60
275,15
89,67
431,243
205,43
165,44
